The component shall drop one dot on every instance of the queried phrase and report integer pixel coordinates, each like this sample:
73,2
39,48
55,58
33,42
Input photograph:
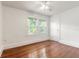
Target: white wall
69,27
0,28
15,28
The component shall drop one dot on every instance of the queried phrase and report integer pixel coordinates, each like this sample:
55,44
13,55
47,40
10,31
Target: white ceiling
56,6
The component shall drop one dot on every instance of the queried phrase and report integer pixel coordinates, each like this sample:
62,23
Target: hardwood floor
45,49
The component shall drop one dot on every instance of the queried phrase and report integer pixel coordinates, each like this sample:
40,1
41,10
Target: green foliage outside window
35,25
32,25
42,26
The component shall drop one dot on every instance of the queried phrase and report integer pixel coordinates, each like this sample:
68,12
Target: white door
55,28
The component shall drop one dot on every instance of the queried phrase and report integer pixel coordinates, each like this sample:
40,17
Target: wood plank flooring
45,49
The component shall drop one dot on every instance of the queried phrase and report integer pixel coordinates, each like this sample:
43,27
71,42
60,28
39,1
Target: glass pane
32,25
42,26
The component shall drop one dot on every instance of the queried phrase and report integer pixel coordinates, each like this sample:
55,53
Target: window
32,25
36,25
42,26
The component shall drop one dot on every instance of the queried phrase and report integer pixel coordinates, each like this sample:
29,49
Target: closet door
55,28
0,30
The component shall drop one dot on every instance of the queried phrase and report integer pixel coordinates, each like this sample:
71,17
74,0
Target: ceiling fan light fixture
44,7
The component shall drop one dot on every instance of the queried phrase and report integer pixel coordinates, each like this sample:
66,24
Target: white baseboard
67,42
70,43
12,45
